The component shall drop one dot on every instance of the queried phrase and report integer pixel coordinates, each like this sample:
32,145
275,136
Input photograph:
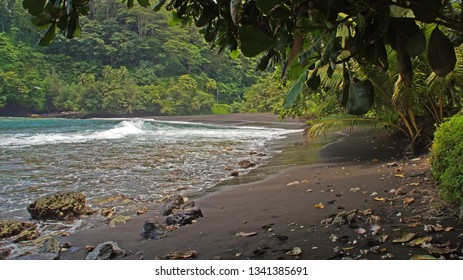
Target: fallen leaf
408,200
295,251
380,199
399,175
319,205
348,248
448,229
392,164
246,234
438,228
375,228
308,190
382,238
360,230
414,184
423,257
181,255
304,181
292,183
406,236
356,189
435,250
420,241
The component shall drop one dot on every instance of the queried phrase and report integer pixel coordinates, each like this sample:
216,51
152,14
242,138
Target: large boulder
106,251
9,228
59,206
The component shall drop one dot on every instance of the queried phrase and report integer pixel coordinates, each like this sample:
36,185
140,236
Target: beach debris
141,211
334,237
423,257
379,199
437,228
59,206
441,249
237,255
382,238
374,194
319,205
388,256
407,201
246,234
420,241
292,183
88,248
184,217
392,164
171,203
181,255
108,212
400,191
331,201
118,219
304,181
153,230
342,218
399,175
105,251
360,231
375,228
356,189
309,190
246,164
235,173
296,251
405,237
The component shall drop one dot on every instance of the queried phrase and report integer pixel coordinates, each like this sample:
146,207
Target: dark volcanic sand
284,216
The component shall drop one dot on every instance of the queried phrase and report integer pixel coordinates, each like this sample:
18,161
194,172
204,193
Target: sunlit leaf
408,200
319,205
423,257
246,234
49,35
159,5
405,237
419,241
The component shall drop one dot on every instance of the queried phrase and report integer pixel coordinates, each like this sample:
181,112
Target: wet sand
286,209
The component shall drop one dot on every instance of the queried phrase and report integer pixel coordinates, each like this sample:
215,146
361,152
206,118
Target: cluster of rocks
177,211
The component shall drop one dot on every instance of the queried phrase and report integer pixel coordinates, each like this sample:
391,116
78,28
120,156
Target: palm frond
339,122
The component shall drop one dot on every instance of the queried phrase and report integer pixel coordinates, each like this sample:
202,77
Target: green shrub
221,109
447,159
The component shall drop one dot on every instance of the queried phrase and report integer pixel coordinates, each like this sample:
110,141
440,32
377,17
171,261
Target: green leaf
253,40
266,6
441,54
405,32
426,11
49,35
40,21
130,4
144,3
295,90
34,7
361,97
159,5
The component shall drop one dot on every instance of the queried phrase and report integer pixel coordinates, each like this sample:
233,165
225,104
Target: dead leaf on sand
181,255
319,205
423,257
447,229
408,200
435,249
379,199
420,241
296,251
292,183
399,175
246,234
356,189
405,237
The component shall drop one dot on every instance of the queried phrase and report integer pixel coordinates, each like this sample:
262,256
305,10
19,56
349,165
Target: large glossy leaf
295,90
253,41
159,5
144,3
49,36
34,7
361,97
426,11
405,32
441,54
267,5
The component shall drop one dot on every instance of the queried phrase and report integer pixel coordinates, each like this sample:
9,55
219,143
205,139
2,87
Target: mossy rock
9,228
59,206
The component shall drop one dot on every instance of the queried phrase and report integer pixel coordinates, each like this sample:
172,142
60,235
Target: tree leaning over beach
302,36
